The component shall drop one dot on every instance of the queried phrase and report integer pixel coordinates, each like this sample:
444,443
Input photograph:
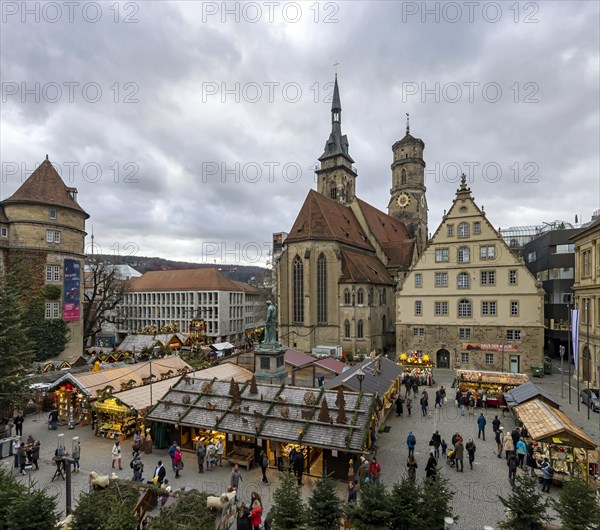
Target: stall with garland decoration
417,366
115,419
569,450
492,384
72,404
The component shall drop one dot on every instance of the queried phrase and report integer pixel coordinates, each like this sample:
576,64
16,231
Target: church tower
336,178
408,202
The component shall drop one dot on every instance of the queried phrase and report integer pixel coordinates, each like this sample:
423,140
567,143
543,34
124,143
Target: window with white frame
586,258
464,333
464,357
418,308
441,279
3,232
487,252
464,280
463,255
52,236
488,309
489,358
465,309
476,227
441,309
463,230
52,310
513,334
52,213
488,277
512,277
52,273
450,230
514,308
441,255
418,332
418,279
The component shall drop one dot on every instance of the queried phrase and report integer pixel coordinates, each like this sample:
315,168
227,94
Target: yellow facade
469,302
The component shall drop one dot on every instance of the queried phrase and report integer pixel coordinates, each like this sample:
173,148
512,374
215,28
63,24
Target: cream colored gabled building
469,302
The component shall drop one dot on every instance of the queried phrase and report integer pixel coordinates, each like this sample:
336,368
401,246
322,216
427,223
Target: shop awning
274,412
550,425
526,392
499,378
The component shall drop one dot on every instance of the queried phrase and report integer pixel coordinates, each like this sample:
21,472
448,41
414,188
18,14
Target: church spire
336,106
337,144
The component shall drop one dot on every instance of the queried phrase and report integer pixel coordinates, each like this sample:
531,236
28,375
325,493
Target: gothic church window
347,297
321,289
346,329
361,297
298,290
403,175
360,330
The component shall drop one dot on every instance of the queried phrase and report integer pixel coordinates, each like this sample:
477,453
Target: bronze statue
270,323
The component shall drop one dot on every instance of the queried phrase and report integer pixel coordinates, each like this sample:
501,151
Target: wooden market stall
417,366
526,392
328,429
493,384
556,437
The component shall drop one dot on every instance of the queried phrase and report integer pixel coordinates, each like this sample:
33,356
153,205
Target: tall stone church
343,258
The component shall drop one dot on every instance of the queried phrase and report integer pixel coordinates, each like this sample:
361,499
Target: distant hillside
240,273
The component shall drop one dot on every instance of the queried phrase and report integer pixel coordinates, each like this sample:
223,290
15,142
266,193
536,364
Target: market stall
568,448
417,366
115,420
492,384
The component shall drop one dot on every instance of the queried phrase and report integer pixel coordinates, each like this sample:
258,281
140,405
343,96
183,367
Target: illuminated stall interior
417,366
494,384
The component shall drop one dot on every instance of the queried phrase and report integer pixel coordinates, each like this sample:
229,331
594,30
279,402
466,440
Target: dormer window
53,213
72,193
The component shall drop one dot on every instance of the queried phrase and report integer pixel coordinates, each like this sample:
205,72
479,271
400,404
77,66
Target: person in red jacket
255,511
177,461
374,470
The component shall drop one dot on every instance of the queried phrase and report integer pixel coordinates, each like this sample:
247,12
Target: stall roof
219,346
139,398
90,382
378,378
224,372
278,413
547,424
480,376
331,364
297,358
526,392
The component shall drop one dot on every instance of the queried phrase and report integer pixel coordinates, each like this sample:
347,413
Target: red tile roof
297,358
44,186
332,364
390,233
321,218
358,267
206,279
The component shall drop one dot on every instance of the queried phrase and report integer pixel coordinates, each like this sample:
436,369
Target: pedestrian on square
471,406
264,465
22,453
219,449
200,454
475,398
499,440
516,435
411,441
459,453
363,472
464,403
436,441
481,423
471,448
116,455
137,442
76,455
292,459
256,509
352,496
531,463
18,421
458,398
408,386
408,406
399,407
444,448
35,454
159,474
300,466
178,461
424,405
234,479
437,399
138,468
16,447
172,450
442,395
507,445
53,419
211,455
495,424
547,474
374,470
455,438
415,387
411,466
484,401
512,464
521,451
431,467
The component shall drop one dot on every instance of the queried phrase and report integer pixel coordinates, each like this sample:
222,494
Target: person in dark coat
496,424
437,399
53,417
415,388
431,467
300,466
411,466
160,473
201,454
292,458
352,495
459,452
243,520
18,421
513,464
263,460
399,407
531,463
436,441
35,454
471,448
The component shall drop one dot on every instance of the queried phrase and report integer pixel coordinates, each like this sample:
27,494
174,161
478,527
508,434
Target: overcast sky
191,129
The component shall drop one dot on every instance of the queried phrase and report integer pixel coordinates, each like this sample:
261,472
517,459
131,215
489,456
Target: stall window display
71,404
492,384
115,420
567,461
417,366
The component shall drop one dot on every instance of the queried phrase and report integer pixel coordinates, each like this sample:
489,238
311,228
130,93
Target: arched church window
298,290
321,289
347,329
347,297
403,175
361,297
360,330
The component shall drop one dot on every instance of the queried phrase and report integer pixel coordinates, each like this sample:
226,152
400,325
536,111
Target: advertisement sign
509,348
71,290
575,336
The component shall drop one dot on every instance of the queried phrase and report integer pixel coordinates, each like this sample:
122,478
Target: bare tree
104,292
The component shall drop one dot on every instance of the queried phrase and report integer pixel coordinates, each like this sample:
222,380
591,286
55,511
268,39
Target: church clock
403,199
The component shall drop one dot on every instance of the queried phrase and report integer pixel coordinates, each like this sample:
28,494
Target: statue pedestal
269,364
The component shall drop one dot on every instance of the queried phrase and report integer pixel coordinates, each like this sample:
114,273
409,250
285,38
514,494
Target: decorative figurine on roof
270,323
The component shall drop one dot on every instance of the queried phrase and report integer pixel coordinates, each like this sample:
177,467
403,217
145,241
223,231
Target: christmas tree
288,511
324,506
324,416
526,506
253,387
406,504
373,511
577,507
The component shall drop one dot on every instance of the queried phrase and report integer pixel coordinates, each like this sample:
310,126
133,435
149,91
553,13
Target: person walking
178,461
172,450
219,450
211,456
16,445
408,386
463,403
137,442
159,473
515,435
411,441
138,468
76,455
531,463
444,448
459,453
408,406
512,464
521,449
18,421
200,454
256,509
484,401
35,454
22,458
547,474
424,404
499,440
436,440
166,487
352,496
471,448
363,471
299,460
496,424
234,479
431,467
481,423
374,470
507,445
264,464
116,455
442,395
411,466
53,419
437,399
399,408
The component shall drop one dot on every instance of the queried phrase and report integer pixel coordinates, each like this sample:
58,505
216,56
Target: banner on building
509,348
71,290
575,336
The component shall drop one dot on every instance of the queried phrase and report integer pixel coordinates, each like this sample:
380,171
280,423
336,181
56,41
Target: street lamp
360,375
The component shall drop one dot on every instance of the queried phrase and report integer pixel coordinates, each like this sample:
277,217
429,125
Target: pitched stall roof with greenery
380,375
547,424
278,413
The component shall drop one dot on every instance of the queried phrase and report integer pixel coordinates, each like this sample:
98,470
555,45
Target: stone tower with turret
408,202
336,177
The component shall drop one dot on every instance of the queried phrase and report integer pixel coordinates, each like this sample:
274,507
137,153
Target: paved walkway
475,502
